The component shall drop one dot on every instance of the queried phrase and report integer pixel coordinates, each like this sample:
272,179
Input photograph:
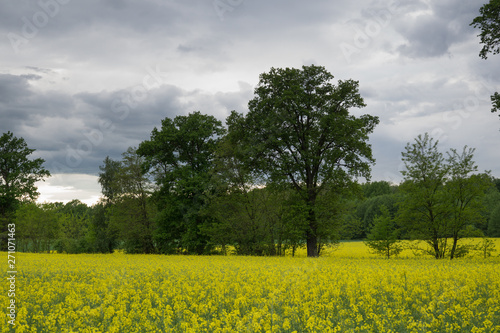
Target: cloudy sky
82,80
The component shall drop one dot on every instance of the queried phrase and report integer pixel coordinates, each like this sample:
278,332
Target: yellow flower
348,290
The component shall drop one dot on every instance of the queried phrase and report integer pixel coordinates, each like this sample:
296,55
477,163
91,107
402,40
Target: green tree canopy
108,178
442,197
18,175
494,222
489,24
128,189
422,211
465,190
299,131
383,237
180,156
369,208
38,226
373,189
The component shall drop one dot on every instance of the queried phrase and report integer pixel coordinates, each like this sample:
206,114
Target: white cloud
66,187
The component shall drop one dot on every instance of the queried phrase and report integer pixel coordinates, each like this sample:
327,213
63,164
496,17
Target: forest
258,222
293,172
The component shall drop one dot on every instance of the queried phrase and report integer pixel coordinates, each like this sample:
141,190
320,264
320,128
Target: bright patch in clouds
66,187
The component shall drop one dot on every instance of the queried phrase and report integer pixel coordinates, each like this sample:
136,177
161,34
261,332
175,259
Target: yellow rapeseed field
348,290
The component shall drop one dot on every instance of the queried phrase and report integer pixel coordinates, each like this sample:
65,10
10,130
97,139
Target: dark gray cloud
14,89
22,107
56,18
81,80
40,70
74,133
32,77
430,29
427,37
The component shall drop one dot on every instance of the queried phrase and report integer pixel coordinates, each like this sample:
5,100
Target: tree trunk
312,244
312,236
454,247
436,249
312,232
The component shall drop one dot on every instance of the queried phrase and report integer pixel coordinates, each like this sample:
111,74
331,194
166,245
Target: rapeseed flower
346,291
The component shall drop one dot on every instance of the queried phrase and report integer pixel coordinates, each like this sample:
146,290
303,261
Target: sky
82,80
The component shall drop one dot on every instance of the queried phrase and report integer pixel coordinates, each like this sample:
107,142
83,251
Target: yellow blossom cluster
335,293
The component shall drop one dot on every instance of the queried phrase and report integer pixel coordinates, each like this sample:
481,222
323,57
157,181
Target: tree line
287,174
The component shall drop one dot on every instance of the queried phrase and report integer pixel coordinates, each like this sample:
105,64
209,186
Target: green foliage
255,220
38,226
67,228
494,222
360,211
258,221
495,102
489,24
107,178
489,202
129,208
73,234
383,237
368,209
496,181
328,210
299,131
465,191
486,247
374,189
181,156
443,197
76,208
132,220
352,227
18,175
423,211
102,236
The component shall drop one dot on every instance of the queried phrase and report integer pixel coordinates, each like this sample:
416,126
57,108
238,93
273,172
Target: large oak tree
299,131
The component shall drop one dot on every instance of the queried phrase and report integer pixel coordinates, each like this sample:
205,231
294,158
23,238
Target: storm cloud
82,80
